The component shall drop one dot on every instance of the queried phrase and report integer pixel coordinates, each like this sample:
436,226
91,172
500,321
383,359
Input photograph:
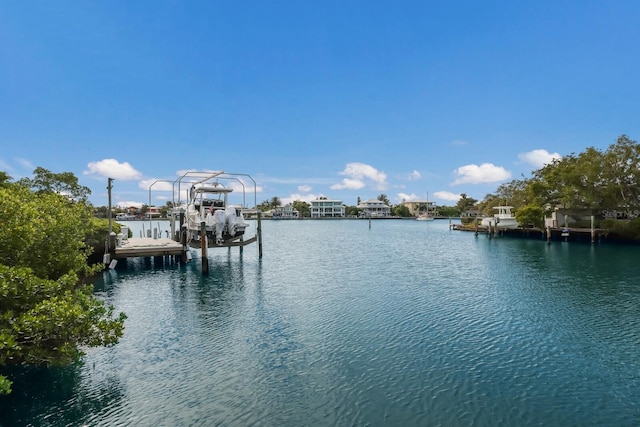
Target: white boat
424,217
208,204
125,217
503,219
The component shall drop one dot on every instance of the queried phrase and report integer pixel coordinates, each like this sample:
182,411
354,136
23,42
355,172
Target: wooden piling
593,229
203,248
259,234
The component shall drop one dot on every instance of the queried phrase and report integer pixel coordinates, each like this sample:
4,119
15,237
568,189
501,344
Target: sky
417,100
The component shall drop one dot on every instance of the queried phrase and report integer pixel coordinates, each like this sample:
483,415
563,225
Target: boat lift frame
200,178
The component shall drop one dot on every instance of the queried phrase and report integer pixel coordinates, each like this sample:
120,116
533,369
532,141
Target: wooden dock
147,247
551,233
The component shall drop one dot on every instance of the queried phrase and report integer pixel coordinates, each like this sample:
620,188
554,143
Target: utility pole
109,187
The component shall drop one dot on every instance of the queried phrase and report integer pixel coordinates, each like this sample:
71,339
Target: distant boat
125,217
425,216
503,219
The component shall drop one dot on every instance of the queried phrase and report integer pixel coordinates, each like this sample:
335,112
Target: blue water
404,323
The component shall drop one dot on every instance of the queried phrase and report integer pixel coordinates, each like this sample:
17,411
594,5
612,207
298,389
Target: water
405,323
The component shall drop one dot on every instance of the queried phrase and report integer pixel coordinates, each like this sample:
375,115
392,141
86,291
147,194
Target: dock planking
147,246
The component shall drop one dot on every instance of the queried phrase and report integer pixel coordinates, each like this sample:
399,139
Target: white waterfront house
284,212
327,208
374,208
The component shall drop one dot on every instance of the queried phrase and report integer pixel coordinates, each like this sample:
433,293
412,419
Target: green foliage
5,179
401,211
465,203
64,183
352,211
586,183
44,231
530,215
592,180
625,229
5,385
448,211
44,322
46,314
303,208
384,199
275,201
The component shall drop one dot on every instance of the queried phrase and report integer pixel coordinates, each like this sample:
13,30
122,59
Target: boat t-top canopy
208,189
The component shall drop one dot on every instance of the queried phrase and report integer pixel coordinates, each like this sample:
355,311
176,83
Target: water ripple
404,323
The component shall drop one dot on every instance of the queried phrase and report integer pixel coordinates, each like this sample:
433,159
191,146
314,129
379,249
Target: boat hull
501,223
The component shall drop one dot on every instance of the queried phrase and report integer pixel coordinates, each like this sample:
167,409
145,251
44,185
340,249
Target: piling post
490,229
183,242
593,229
259,234
475,220
109,187
203,248
548,235
112,244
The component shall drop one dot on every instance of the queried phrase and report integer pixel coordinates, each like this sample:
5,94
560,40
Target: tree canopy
47,312
63,183
303,208
591,181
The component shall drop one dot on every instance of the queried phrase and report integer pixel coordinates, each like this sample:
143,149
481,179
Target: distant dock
551,233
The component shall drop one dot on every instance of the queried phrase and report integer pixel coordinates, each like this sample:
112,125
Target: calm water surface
405,323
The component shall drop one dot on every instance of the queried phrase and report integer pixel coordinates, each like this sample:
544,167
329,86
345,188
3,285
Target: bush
628,229
46,313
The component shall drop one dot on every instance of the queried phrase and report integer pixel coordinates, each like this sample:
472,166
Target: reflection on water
59,396
406,323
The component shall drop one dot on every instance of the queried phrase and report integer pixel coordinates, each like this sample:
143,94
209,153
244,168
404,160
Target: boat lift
179,232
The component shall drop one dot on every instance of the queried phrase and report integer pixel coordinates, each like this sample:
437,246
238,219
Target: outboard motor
235,221
219,224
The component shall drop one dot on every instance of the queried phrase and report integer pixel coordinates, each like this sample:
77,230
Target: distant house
284,212
152,211
471,213
327,208
419,207
374,208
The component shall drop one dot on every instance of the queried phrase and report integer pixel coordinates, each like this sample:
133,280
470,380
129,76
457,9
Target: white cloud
357,175
302,197
485,173
404,197
26,163
248,188
446,195
5,166
304,188
128,204
158,185
348,184
538,158
458,142
111,168
196,173
414,176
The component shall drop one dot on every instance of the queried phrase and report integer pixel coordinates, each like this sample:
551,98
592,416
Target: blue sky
343,99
